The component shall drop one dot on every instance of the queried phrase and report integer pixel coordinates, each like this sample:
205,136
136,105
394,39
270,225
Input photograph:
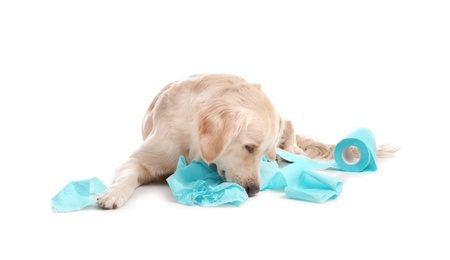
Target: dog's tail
317,150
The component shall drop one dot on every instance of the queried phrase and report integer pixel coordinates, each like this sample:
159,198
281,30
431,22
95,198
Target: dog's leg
288,140
315,149
304,145
126,180
148,163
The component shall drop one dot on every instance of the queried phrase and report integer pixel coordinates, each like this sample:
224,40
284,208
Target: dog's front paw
114,197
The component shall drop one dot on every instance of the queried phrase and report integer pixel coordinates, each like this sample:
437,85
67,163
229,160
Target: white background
76,79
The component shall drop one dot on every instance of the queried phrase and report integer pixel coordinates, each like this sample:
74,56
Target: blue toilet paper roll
364,141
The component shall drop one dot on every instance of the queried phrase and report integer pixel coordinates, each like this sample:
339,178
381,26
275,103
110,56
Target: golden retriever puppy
219,118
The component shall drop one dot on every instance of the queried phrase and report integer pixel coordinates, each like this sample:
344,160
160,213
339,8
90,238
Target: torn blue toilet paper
298,179
77,195
198,183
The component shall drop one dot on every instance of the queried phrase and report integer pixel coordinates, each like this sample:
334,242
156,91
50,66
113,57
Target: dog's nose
252,189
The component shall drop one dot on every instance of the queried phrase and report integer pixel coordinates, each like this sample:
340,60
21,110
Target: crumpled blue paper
196,183
298,179
77,195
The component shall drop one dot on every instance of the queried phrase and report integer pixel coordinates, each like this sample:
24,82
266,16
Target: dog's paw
114,197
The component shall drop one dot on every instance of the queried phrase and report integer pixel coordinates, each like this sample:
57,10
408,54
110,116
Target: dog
220,118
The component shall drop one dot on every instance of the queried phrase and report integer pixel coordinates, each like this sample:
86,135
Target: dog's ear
271,152
218,125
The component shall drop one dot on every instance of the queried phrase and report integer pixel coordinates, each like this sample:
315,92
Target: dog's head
236,131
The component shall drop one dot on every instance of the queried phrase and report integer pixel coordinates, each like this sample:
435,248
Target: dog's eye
250,148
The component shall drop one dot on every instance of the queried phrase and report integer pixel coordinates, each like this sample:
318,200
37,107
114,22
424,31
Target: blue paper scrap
298,179
197,183
77,195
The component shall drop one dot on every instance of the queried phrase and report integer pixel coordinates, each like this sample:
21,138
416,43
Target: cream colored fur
219,118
